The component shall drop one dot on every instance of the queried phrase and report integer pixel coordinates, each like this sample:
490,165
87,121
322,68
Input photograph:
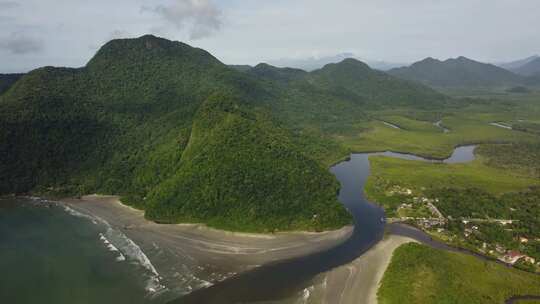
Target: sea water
52,254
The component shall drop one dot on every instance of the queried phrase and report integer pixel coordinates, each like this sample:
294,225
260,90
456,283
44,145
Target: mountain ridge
457,72
315,63
8,80
531,68
517,63
146,117
375,86
175,132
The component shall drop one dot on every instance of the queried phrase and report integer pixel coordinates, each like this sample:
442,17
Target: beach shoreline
195,254
358,281
116,203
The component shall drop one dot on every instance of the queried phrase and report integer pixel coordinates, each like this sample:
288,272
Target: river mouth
282,279
271,282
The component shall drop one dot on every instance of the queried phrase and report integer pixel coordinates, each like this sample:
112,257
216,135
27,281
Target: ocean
50,253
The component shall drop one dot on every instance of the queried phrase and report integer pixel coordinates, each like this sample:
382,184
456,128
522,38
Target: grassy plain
468,120
502,182
521,158
498,168
421,275
423,138
418,174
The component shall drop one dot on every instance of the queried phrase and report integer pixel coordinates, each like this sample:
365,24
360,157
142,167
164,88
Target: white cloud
201,18
9,5
252,31
20,43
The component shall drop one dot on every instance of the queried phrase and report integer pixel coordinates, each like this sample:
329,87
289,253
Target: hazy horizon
68,33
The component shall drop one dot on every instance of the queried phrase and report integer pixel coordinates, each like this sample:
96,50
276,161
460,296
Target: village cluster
423,213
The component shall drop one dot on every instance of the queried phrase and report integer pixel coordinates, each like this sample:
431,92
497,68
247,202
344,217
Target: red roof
514,254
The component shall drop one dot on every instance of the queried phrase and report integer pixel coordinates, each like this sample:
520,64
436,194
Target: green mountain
240,67
531,68
7,80
172,130
239,171
266,71
459,72
374,87
517,63
188,139
331,100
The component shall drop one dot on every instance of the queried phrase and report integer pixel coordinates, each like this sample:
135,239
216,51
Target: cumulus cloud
19,43
118,34
115,34
9,4
200,18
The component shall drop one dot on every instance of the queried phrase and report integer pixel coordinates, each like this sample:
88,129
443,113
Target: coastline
198,256
210,255
358,281
115,200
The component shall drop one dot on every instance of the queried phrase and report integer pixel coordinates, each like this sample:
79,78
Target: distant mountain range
513,65
314,63
531,68
350,81
461,72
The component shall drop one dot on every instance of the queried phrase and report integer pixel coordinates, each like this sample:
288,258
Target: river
281,279
42,246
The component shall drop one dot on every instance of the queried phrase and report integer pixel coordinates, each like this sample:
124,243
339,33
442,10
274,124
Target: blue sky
35,33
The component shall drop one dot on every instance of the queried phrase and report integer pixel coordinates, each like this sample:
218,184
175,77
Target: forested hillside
7,80
531,68
421,275
131,123
458,72
241,172
332,101
183,136
377,89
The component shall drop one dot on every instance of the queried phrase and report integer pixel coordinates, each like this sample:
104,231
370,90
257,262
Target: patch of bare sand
198,255
357,282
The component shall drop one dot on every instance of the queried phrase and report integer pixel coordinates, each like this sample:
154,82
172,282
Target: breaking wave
111,247
127,250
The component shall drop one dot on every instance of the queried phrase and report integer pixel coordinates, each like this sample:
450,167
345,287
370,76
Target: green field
423,138
501,183
521,158
468,121
418,174
420,275
447,183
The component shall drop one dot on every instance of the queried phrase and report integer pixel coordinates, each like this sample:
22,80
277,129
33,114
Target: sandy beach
194,256
356,282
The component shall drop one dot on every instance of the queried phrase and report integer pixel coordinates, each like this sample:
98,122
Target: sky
36,33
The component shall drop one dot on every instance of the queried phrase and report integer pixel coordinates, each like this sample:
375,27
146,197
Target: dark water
426,239
281,279
50,256
47,255
461,154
